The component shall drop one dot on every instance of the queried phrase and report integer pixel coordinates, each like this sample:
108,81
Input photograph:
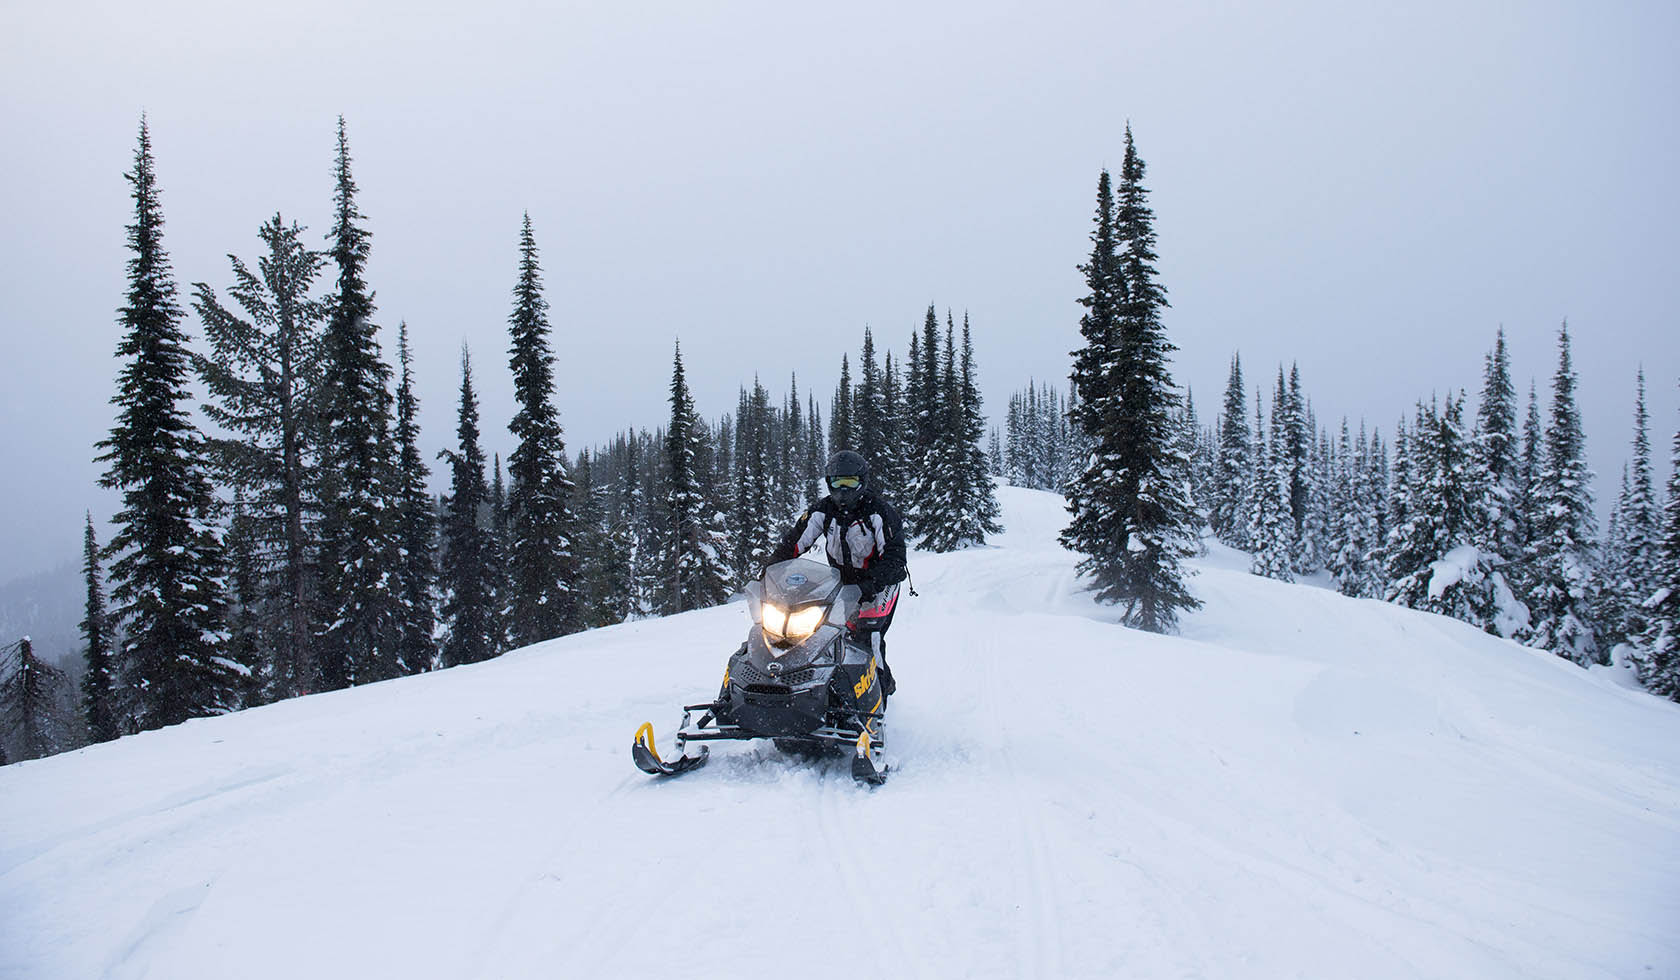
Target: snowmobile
806,678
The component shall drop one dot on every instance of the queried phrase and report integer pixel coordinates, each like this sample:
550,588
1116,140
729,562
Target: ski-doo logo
797,579
866,683
775,668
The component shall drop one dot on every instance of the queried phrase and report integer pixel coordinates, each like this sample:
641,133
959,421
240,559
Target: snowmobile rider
864,539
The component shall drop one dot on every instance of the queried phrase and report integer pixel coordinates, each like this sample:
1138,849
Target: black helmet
845,475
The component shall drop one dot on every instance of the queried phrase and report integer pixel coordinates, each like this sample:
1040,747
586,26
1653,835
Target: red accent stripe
885,611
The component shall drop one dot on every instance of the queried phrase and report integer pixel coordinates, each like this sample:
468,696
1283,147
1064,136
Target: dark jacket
867,544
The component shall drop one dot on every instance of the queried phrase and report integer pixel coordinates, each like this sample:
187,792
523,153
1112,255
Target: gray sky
1370,193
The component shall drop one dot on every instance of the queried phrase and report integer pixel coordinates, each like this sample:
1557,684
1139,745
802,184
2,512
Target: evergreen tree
1659,645
166,576
417,582
1297,441
264,372
841,429
100,709
1496,456
1527,515
1132,514
755,525
360,554
1439,566
35,718
962,503
888,467
1231,472
542,567
1270,529
867,411
1632,577
695,551
471,632
499,549
1563,592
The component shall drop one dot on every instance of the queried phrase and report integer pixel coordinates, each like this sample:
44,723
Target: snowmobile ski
869,764
646,756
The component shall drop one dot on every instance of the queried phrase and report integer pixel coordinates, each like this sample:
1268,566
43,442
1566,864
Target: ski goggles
845,482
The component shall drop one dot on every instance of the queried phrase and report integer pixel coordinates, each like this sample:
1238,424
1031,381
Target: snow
1453,567
1301,784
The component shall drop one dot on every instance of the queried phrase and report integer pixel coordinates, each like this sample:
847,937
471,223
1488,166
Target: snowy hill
1301,785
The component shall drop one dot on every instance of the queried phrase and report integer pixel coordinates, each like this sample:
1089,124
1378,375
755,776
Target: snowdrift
1301,785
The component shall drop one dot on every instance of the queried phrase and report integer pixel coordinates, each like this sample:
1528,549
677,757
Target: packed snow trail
1299,785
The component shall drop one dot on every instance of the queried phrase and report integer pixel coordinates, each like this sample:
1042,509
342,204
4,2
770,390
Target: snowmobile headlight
804,622
775,621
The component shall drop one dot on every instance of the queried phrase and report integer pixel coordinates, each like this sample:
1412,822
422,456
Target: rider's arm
890,567
794,542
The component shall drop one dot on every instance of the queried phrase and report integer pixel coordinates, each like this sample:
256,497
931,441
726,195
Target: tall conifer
417,583
1133,518
695,552
1564,590
541,565
167,570
360,553
100,710
264,374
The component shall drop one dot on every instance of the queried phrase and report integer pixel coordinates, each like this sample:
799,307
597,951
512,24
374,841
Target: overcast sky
1370,193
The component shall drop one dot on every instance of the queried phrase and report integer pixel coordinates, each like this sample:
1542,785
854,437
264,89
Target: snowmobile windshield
798,582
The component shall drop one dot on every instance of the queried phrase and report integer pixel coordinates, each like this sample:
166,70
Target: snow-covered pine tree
1659,645
542,568
979,504
166,573
1496,445
646,542
1297,436
468,576
796,482
755,525
1350,539
417,572
869,431
1189,437
1235,461
696,549
264,374
922,405
1564,590
942,500
842,430
888,468
1438,566
1136,484
1633,577
1527,514
361,550
816,449
36,717
1271,531
101,712
1321,508
606,574
790,452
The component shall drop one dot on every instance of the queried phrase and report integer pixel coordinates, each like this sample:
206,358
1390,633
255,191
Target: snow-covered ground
1301,785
